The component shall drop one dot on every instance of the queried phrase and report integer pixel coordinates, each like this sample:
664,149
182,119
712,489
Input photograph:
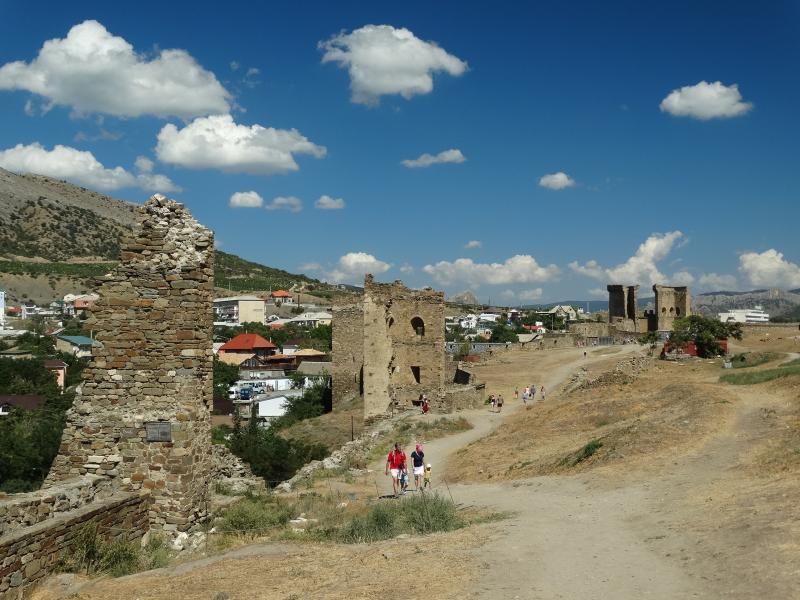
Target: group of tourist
528,393
397,466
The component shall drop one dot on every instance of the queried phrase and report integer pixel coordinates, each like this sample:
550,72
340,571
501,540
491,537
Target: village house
79,346
281,297
249,345
236,310
59,368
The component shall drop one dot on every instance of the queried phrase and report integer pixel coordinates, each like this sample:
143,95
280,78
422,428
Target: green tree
503,333
704,332
224,377
651,338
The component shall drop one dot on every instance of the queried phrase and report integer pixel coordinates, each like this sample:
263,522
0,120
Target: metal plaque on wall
158,431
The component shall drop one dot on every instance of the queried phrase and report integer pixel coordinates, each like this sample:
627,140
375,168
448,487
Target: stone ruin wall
347,350
624,315
154,319
392,346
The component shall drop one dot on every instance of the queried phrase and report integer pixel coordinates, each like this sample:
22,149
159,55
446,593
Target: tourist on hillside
541,391
500,403
516,394
533,392
395,463
426,405
427,476
492,401
418,462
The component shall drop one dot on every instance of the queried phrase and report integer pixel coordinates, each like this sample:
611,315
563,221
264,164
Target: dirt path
595,536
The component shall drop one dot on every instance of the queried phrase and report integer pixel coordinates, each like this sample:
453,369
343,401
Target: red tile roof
247,341
280,294
25,402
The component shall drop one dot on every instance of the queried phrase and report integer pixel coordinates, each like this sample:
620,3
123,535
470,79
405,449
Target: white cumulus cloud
352,267
473,244
93,71
79,166
556,181
289,203
144,164
706,101
406,269
453,155
311,266
245,200
716,282
641,268
769,269
521,268
328,203
384,60
217,142
530,295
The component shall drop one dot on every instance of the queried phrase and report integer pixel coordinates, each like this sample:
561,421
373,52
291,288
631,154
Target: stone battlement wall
154,319
29,554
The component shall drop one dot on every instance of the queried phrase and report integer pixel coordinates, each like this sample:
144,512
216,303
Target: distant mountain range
57,238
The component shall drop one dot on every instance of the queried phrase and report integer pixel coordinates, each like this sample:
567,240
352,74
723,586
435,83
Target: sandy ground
709,512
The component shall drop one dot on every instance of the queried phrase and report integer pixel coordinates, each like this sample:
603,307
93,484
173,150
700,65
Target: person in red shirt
395,463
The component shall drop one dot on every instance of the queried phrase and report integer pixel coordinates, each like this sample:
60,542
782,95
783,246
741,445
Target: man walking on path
395,462
541,391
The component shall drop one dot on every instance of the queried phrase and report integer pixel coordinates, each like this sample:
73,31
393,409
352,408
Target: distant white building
468,321
236,310
745,315
488,317
564,311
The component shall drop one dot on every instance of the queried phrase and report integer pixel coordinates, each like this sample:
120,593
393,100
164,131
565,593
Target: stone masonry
390,348
671,303
142,415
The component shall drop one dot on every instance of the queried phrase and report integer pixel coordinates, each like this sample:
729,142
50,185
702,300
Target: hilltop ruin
389,347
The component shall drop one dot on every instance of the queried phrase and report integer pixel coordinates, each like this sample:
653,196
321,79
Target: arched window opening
678,312
418,325
671,310
664,310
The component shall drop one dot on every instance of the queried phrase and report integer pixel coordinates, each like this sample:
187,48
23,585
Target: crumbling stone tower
623,306
671,303
142,416
389,346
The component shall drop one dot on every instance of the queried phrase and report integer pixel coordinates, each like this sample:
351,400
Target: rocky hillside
57,238
776,302
43,218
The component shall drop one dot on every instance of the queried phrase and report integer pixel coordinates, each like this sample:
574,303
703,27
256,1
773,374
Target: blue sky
669,134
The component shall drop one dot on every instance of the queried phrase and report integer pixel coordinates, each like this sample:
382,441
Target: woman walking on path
541,391
418,462
516,394
395,463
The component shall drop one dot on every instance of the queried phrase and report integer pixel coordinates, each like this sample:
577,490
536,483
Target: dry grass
333,429
604,425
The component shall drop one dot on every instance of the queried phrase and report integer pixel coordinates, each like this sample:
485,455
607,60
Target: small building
59,367
77,345
248,344
315,319
281,297
310,355
20,402
236,310
563,311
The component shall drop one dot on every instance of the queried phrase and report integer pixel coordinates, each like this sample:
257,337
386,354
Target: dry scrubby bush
420,514
335,521
90,554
